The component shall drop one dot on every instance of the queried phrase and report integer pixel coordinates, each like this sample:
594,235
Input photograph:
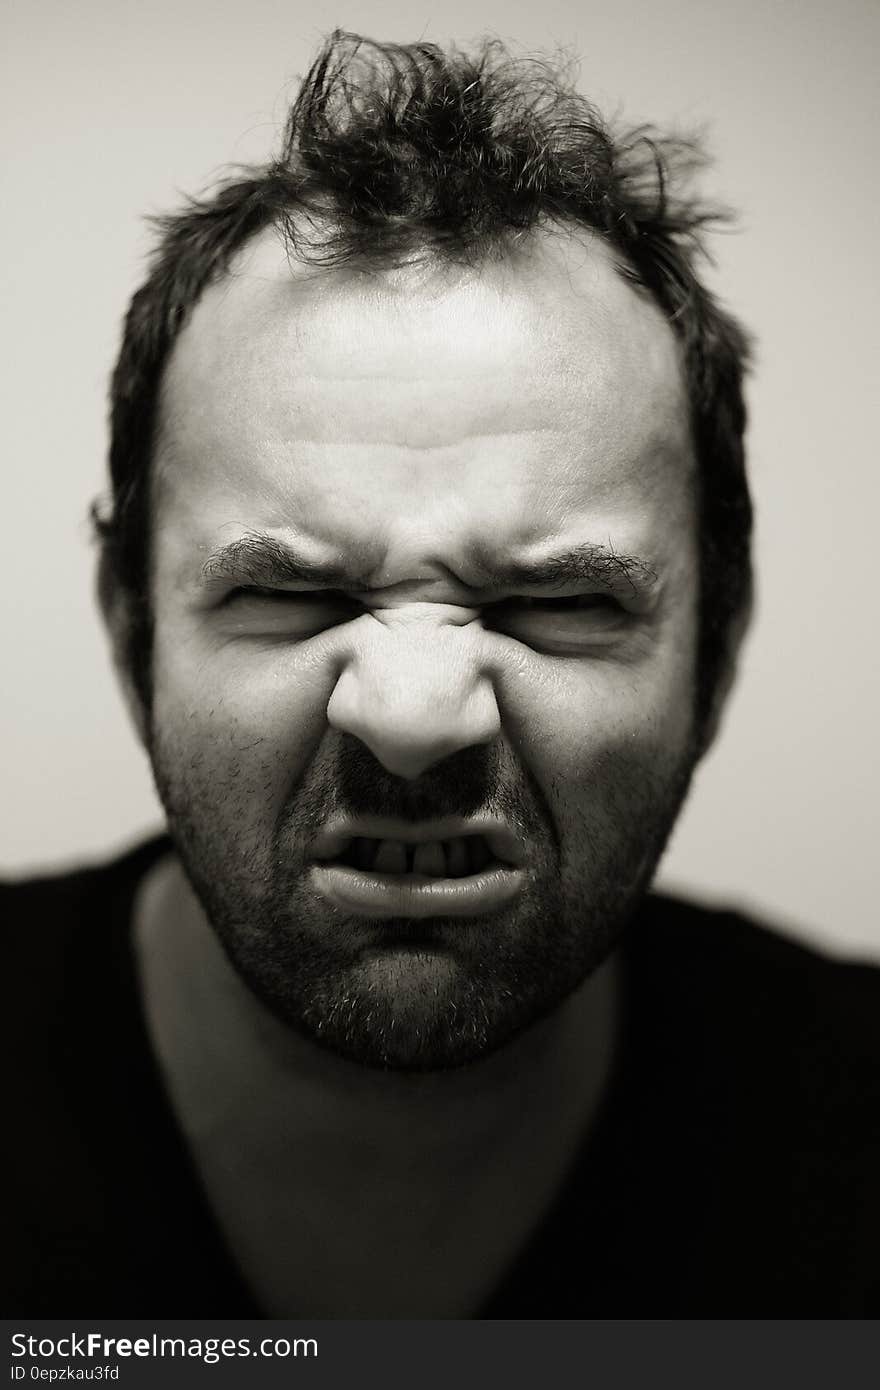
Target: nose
415,697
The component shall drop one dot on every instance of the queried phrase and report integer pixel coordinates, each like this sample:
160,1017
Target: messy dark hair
393,150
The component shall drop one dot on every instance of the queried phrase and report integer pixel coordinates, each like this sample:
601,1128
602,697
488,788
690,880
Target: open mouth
416,874
453,858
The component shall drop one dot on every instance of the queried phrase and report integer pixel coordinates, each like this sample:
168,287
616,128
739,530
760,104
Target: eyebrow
587,562
264,560
260,559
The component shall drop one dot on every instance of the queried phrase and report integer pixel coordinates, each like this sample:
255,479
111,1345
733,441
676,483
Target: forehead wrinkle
269,298
237,434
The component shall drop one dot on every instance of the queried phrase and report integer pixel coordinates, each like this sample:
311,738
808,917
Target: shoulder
764,1056
755,966
51,917
795,1026
71,890
79,878
72,1025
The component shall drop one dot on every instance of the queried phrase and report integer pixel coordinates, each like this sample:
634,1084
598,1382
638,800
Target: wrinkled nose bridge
415,694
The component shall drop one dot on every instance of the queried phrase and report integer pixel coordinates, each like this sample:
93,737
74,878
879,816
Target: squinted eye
568,603
256,591
560,623
299,597
288,612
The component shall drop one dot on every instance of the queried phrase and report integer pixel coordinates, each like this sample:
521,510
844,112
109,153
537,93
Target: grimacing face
425,600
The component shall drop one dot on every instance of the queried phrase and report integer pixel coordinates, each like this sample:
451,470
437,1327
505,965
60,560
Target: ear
120,622
727,676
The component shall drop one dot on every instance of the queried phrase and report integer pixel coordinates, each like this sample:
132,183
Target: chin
412,1006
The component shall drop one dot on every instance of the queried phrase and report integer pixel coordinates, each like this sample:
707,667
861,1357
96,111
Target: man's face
425,607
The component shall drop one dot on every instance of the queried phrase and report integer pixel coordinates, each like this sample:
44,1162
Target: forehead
515,398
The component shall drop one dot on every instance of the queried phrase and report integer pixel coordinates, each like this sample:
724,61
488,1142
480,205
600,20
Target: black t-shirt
733,1170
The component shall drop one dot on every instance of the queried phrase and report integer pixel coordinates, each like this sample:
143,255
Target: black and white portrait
441,673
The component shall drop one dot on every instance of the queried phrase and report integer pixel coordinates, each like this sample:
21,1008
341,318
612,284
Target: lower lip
416,895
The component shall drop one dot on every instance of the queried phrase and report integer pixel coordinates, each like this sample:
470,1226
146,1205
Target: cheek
588,730
240,722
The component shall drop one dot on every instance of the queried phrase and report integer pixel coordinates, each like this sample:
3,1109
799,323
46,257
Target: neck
311,1118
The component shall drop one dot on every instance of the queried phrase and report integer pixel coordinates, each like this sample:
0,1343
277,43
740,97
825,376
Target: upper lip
503,841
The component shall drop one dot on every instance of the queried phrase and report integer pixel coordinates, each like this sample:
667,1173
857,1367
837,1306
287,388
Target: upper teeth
437,858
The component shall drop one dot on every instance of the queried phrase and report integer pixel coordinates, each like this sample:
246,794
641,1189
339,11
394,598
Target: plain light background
112,108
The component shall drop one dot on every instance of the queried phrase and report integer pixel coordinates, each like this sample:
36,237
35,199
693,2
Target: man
426,570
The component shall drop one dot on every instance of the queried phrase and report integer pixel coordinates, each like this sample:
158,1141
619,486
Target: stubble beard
403,994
